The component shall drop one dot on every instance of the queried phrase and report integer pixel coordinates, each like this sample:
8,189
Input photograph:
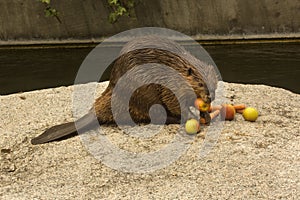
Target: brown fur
201,78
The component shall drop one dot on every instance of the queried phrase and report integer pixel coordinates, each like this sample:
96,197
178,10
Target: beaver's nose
211,96
207,98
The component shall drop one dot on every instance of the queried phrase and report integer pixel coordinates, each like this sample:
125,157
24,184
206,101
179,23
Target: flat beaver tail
63,130
55,133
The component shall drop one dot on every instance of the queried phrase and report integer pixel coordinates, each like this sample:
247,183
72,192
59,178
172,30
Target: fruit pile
227,112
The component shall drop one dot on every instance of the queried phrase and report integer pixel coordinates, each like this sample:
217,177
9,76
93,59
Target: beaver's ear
189,72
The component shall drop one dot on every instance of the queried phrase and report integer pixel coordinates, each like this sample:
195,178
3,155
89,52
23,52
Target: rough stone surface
259,160
24,21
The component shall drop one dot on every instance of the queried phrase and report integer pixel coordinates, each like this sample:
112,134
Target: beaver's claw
194,113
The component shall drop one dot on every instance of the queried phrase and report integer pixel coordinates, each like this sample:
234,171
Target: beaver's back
144,59
154,49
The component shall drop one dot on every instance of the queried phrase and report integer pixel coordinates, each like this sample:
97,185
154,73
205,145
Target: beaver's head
198,84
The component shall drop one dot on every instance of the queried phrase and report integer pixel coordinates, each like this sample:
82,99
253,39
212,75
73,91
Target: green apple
192,126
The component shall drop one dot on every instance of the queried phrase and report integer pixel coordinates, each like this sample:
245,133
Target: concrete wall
24,20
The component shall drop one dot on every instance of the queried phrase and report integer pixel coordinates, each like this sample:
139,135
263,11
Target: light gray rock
259,160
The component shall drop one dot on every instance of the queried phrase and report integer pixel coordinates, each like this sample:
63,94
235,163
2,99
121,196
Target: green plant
49,10
119,8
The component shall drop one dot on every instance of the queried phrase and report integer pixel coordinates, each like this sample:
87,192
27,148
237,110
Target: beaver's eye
189,72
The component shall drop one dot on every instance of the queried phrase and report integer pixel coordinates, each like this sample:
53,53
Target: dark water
271,64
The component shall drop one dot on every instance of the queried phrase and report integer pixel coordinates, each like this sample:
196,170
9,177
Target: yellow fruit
192,126
250,114
201,105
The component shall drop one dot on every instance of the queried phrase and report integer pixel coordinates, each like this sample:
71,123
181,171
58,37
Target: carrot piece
214,114
239,106
214,108
240,111
202,120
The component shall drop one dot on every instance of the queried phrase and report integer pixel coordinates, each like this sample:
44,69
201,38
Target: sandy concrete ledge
258,160
203,39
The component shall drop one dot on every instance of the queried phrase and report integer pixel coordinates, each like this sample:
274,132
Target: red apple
227,112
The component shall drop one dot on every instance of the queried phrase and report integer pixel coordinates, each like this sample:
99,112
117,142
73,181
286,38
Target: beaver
146,52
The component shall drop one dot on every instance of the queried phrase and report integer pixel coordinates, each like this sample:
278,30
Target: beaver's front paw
205,118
